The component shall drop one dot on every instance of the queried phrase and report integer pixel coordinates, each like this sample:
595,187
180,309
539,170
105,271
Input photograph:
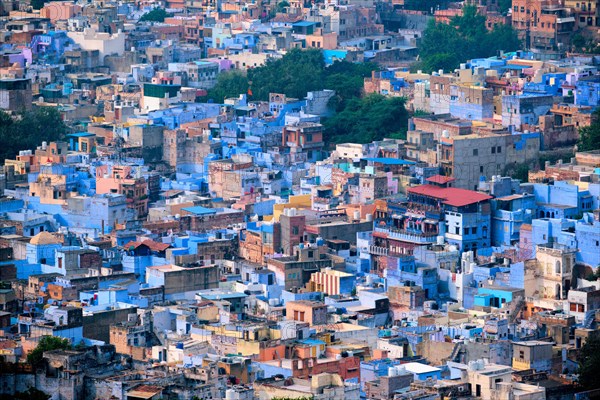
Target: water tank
273,302
179,345
441,72
320,241
350,354
369,280
338,356
400,369
440,240
445,134
230,394
369,217
356,215
44,145
292,212
301,246
392,371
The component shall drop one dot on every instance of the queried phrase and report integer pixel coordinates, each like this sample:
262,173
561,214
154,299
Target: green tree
347,79
504,6
297,72
156,15
363,120
28,129
589,136
38,4
588,359
282,5
445,46
47,343
30,394
229,84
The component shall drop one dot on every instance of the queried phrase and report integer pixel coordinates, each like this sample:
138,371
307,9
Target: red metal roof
451,196
441,179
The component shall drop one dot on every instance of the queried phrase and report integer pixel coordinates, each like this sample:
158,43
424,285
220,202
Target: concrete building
532,355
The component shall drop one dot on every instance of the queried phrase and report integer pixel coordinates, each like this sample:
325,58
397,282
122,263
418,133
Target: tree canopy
589,136
38,4
589,363
229,84
29,394
28,129
156,15
363,120
445,46
300,71
47,343
295,74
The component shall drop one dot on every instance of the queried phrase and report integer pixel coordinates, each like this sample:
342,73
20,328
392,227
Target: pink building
119,179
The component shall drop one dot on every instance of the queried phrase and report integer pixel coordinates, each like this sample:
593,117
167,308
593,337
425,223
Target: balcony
378,251
410,237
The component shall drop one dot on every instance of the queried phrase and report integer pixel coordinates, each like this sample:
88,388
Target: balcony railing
404,236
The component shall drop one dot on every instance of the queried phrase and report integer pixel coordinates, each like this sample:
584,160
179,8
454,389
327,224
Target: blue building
508,214
587,91
406,270
561,200
587,233
496,296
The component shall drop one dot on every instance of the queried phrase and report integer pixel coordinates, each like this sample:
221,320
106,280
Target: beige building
555,267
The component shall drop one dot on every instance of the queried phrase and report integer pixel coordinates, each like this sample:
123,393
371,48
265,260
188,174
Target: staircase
515,308
590,318
455,355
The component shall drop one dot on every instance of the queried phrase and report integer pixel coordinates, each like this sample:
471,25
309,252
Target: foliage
589,363
589,136
47,343
38,4
28,129
302,71
298,72
282,5
30,394
156,15
347,80
581,44
229,84
519,171
445,46
504,6
363,120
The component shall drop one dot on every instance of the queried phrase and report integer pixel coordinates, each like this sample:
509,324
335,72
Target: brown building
542,24
315,313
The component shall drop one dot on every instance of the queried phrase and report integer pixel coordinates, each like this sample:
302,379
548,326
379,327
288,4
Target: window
475,152
311,254
465,231
295,230
499,149
493,150
457,230
474,230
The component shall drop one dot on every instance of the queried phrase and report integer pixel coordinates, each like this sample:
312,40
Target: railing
408,236
379,251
